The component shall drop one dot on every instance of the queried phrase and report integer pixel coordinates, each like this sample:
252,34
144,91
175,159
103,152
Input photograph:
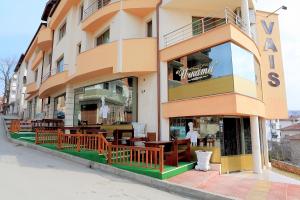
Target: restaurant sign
196,73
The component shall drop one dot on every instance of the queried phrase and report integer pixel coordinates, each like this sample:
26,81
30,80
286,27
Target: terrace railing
203,25
95,6
142,157
43,136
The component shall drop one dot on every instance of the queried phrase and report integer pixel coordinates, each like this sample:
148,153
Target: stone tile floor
271,184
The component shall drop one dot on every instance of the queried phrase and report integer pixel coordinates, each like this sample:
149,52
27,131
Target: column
246,15
69,110
255,144
51,108
265,144
164,122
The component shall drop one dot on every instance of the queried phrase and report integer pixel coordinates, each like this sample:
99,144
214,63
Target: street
29,174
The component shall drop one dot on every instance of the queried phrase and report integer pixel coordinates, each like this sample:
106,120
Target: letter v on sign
268,29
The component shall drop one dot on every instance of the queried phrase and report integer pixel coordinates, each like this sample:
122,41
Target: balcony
44,40
96,61
101,11
61,11
31,88
52,82
207,32
37,60
98,13
135,60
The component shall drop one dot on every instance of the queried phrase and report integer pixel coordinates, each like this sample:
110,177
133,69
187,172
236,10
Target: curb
145,180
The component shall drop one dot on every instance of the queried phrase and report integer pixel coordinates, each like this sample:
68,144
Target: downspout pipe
158,70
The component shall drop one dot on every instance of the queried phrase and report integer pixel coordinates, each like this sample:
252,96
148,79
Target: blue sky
20,20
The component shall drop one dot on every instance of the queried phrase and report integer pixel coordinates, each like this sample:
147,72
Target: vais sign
270,45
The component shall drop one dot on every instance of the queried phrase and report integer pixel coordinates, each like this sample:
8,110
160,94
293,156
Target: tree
6,69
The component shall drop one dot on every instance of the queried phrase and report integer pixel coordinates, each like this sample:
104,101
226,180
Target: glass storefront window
59,107
113,102
221,69
229,135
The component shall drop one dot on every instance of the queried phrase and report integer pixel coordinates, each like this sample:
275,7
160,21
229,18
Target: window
149,29
36,75
79,48
106,86
62,31
50,58
81,10
60,106
197,25
60,65
119,89
103,38
24,80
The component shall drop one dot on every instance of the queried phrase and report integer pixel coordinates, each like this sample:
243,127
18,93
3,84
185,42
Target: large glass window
113,102
229,135
221,69
60,106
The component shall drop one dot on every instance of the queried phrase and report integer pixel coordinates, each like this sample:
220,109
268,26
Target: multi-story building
165,64
12,108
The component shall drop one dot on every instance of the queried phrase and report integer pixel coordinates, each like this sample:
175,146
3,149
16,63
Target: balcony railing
52,73
95,6
203,25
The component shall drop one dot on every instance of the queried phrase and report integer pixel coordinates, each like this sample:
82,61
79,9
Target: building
1,104
12,108
294,142
165,64
290,130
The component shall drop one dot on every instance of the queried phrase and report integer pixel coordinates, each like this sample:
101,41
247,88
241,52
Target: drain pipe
158,72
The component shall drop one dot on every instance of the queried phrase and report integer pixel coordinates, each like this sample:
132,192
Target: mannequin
104,110
192,135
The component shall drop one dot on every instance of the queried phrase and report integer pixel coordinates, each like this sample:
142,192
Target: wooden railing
15,126
143,157
43,136
78,142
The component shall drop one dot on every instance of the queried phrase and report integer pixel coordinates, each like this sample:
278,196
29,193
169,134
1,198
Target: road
27,174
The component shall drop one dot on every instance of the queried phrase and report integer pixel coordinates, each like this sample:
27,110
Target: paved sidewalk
32,175
269,185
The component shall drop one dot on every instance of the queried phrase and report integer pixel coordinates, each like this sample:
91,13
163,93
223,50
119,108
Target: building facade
214,64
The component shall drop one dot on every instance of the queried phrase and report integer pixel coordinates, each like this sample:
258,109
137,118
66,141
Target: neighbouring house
290,130
295,148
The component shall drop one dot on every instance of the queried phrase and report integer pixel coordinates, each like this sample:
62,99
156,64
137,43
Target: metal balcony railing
95,6
53,72
203,25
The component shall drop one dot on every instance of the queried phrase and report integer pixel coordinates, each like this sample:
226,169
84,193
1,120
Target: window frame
58,61
61,33
147,28
101,35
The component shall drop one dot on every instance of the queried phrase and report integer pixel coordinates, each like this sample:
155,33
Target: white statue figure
104,109
192,135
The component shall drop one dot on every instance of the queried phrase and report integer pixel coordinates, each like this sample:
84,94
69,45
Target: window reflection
113,102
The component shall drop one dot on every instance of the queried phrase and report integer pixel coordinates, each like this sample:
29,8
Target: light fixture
282,7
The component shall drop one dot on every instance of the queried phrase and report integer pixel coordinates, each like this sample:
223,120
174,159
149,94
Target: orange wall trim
225,104
211,38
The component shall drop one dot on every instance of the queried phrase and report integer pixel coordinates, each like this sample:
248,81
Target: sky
19,22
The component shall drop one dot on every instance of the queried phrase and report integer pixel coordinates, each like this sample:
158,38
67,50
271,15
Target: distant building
12,109
295,145
290,130
1,104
